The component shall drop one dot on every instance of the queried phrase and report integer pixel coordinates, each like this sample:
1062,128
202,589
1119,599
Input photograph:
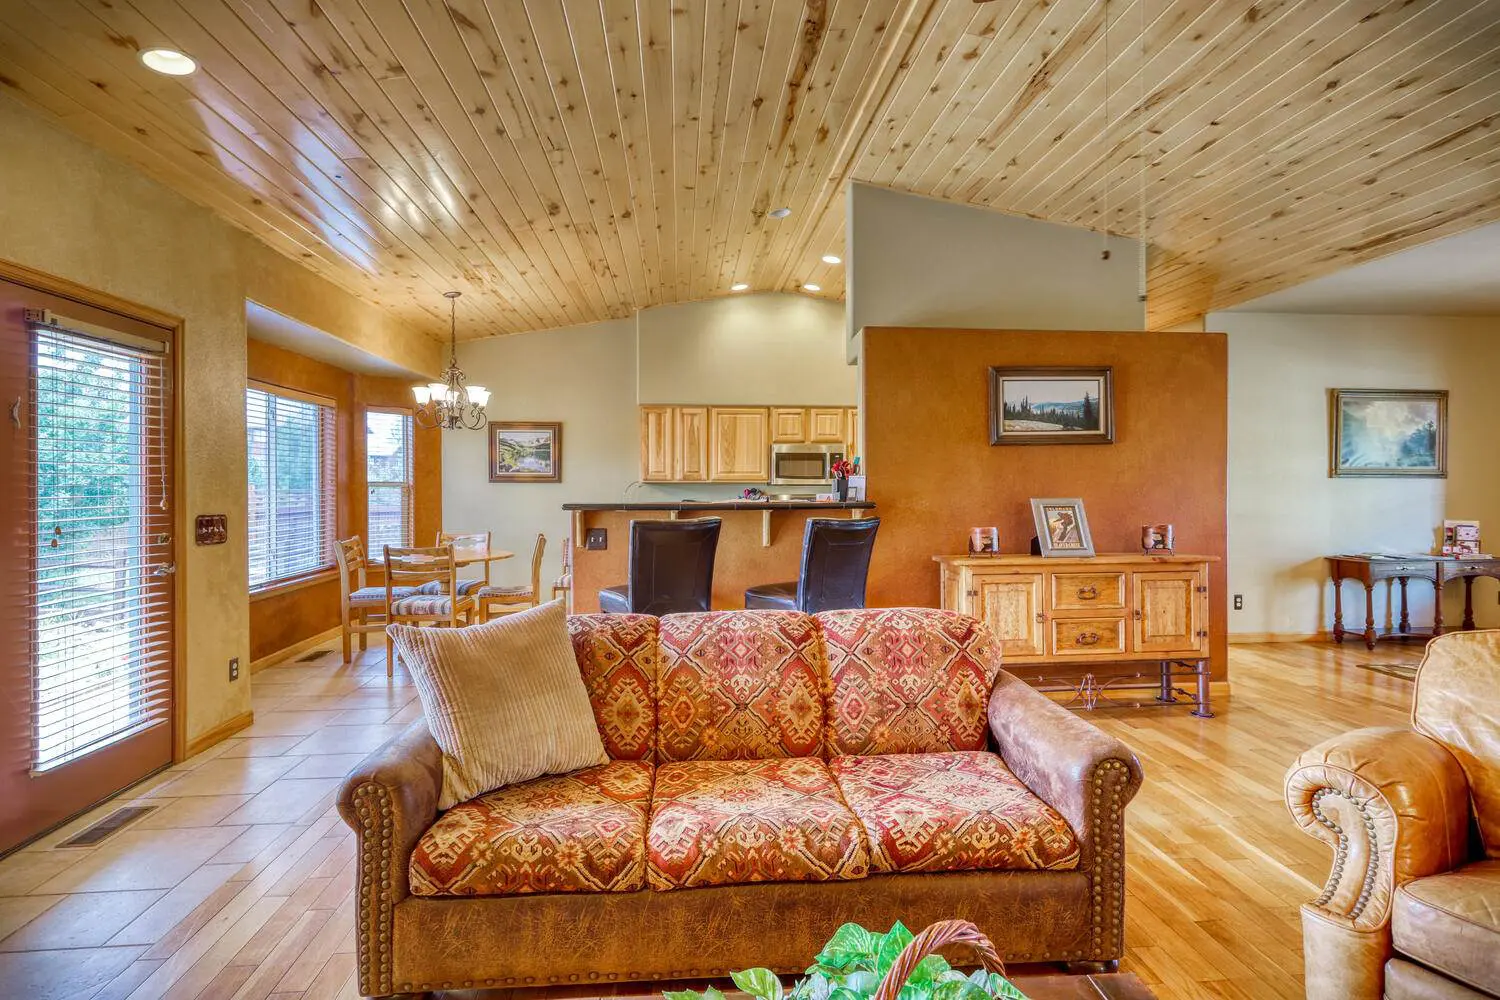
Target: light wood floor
240,885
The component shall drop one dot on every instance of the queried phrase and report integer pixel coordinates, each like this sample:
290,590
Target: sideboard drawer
1087,636
1088,591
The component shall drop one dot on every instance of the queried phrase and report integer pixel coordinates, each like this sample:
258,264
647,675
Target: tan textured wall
72,211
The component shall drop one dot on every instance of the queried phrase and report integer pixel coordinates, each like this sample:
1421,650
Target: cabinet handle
1137,614
1086,639
1040,616
1087,593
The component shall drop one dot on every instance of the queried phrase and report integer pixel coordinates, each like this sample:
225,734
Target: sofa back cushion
907,680
1457,703
739,685
618,656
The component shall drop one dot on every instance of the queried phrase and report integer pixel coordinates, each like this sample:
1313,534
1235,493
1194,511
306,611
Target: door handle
1137,614
1040,616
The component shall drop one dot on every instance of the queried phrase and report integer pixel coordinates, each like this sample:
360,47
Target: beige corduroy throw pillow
504,700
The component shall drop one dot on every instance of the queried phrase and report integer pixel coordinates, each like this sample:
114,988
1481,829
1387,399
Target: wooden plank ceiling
562,161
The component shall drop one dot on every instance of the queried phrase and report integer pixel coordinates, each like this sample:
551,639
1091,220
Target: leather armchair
1397,806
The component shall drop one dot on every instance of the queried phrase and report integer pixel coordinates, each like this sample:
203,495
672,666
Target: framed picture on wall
1062,529
1389,432
525,451
1052,406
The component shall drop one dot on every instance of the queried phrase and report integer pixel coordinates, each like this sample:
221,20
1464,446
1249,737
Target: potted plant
857,964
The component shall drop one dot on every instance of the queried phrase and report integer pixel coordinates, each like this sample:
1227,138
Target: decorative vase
841,488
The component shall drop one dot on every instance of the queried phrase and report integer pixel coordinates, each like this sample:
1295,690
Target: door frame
52,284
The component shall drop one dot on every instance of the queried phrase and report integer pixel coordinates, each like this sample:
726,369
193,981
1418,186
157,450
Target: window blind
293,477
101,571
388,478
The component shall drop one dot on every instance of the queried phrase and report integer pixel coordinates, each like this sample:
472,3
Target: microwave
804,464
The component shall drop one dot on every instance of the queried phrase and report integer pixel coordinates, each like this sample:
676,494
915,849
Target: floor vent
107,827
316,654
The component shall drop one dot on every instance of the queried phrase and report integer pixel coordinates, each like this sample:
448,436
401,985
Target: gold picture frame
1388,433
525,451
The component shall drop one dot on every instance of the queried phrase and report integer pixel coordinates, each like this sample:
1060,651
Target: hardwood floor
240,884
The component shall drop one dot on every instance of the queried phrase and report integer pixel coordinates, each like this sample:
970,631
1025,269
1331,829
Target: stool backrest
672,565
835,563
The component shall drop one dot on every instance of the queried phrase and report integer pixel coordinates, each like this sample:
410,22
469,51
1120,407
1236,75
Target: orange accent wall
283,618
935,475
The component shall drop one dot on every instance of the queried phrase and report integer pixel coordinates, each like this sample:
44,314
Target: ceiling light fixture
779,213
738,286
829,258
812,288
451,404
168,61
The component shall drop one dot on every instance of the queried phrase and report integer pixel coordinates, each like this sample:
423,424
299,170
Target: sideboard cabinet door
1168,612
1011,605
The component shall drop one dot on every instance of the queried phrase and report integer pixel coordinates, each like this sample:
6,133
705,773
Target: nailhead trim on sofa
1107,920
372,803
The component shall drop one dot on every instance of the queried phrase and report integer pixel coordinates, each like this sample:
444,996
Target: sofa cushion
1454,703
618,656
736,821
739,685
945,812
1451,923
907,680
579,832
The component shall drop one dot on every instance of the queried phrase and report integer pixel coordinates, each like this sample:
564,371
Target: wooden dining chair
417,568
471,546
361,607
503,600
563,585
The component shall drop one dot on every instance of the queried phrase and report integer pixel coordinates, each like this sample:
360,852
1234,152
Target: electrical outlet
596,539
234,669
1239,602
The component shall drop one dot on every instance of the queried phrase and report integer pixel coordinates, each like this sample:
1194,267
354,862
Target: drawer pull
1087,593
1086,639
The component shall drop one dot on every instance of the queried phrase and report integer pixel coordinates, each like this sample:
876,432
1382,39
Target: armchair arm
1393,805
389,801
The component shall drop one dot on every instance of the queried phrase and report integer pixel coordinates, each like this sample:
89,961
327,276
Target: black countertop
720,505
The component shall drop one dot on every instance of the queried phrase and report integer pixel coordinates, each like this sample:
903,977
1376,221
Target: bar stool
835,565
671,568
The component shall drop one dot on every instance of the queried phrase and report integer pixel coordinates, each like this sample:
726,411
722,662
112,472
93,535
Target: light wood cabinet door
656,444
690,444
788,425
1011,605
739,444
851,431
1168,612
825,425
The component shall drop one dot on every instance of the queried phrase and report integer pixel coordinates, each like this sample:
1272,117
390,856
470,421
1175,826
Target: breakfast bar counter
760,541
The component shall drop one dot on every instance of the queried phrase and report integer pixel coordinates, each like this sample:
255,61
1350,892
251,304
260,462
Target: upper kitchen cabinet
788,424
825,425
740,444
690,444
657,425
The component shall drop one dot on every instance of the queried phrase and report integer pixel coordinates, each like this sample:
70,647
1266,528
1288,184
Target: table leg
1370,615
1202,709
1437,603
1405,618
1469,603
1338,609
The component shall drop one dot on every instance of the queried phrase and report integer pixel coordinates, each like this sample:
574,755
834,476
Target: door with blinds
87,577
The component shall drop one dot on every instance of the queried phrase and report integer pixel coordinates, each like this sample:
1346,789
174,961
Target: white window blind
101,574
293,484
388,477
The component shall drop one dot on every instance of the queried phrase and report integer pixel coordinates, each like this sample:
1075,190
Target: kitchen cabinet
690,444
788,424
739,444
825,425
657,426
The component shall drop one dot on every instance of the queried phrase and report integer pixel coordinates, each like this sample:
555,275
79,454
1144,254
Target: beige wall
75,212
915,261
1286,513
757,349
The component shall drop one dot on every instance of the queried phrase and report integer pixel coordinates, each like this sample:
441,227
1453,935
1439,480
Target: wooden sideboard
1110,609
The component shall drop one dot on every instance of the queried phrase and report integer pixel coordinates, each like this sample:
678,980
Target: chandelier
451,403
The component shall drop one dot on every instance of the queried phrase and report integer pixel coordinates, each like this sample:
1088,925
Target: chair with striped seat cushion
413,570
465,587
503,599
424,605
375,596
361,607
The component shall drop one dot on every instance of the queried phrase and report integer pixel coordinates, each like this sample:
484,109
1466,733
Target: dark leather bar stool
835,565
671,568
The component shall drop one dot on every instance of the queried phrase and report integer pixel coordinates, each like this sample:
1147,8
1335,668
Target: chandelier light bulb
451,403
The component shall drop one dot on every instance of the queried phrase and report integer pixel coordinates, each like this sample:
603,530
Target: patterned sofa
772,775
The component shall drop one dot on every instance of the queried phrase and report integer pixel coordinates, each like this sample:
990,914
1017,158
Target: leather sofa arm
389,801
1070,763
1392,804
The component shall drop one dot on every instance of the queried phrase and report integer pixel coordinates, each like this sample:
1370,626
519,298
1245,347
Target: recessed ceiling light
812,288
738,286
168,61
779,213
829,258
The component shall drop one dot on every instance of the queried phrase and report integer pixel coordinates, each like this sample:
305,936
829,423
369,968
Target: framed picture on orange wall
1052,406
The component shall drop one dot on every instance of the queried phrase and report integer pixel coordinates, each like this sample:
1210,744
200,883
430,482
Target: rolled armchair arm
389,801
1392,804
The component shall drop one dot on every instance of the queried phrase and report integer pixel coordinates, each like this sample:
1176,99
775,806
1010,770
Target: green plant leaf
959,989
815,987
759,983
850,947
844,993
886,953
712,994
863,982
1003,989
927,971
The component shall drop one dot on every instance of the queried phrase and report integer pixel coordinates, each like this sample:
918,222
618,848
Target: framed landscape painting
1390,432
525,452
1052,406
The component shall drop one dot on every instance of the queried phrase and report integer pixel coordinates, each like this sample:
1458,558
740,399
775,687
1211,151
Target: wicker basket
928,942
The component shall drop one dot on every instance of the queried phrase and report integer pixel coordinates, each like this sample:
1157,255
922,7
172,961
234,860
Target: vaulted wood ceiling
570,160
